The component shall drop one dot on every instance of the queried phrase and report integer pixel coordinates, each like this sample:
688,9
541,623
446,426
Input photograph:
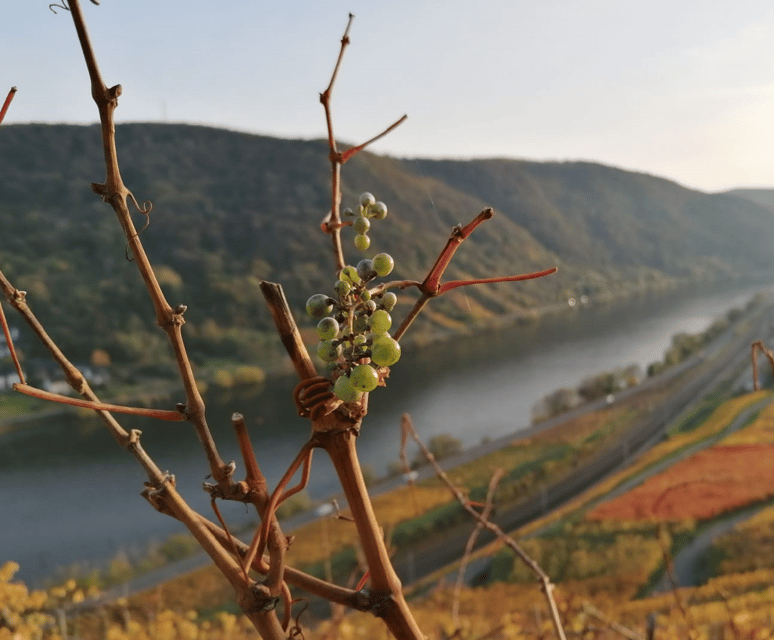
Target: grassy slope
231,209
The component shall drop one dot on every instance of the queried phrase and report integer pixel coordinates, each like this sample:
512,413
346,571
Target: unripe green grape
383,264
385,351
365,295
327,329
362,242
370,305
365,269
381,321
367,199
319,305
360,324
361,225
378,210
329,350
389,300
364,378
349,275
342,288
344,390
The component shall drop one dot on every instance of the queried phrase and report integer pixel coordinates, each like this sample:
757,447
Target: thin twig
304,458
158,414
11,349
340,595
485,514
546,586
758,345
7,103
334,227
355,150
590,610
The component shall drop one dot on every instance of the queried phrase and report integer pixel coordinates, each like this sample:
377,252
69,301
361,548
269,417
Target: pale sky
678,88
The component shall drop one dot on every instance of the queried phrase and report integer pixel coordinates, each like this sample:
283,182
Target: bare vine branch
546,585
7,103
114,192
431,286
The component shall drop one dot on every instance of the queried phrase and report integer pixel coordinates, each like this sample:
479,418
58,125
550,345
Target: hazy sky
678,88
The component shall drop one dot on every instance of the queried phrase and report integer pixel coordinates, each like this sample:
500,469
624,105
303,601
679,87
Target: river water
69,495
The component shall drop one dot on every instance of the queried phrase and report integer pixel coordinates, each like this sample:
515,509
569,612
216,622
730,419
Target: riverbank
475,389
180,591
214,376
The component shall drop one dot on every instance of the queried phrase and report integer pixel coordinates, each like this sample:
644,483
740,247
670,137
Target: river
69,495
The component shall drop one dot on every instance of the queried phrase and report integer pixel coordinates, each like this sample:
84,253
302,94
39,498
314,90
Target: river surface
69,495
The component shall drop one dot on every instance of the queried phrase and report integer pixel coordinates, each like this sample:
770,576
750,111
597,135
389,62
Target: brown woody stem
115,193
7,103
385,584
158,414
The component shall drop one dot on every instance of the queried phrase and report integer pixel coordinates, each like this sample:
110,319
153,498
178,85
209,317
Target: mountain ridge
231,209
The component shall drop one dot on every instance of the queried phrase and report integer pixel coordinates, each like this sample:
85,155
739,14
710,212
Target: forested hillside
230,209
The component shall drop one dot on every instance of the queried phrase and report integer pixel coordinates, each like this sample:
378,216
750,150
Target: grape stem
431,286
332,223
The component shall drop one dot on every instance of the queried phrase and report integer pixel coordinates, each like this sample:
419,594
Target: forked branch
114,192
332,223
431,286
545,582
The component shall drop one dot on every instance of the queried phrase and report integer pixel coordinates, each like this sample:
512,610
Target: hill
763,197
230,209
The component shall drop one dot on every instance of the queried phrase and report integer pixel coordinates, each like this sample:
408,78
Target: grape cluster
354,328
368,209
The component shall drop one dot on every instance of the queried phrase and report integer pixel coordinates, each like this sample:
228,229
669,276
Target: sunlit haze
681,89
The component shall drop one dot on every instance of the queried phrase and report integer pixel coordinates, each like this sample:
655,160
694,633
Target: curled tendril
296,631
311,397
65,6
145,209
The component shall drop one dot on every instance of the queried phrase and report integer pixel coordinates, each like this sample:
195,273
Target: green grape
319,305
367,199
381,321
327,329
362,242
360,324
329,350
370,305
389,300
365,295
365,269
378,210
385,351
361,225
342,288
344,390
364,378
349,275
383,264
